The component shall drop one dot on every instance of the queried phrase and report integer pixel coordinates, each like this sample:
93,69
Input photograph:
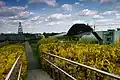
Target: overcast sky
57,15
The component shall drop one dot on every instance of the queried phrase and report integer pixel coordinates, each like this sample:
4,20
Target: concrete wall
117,36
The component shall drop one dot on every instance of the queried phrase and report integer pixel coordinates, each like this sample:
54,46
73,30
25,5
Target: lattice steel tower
20,31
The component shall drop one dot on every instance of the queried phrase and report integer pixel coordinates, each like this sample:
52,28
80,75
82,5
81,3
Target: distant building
83,31
109,36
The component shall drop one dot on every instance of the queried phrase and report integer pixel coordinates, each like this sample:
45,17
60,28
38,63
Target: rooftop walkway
34,71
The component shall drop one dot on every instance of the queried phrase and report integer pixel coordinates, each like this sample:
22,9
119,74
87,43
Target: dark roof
79,29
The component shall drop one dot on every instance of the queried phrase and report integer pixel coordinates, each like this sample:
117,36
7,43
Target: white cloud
11,11
25,14
78,21
54,23
8,25
117,17
43,9
98,16
37,18
105,1
104,20
117,5
101,1
40,22
108,22
67,7
77,3
2,4
117,14
49,2
87,12
105,24
21,16
109,12
59,16
29,25
15,13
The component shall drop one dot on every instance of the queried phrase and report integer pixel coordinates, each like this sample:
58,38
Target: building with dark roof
77,29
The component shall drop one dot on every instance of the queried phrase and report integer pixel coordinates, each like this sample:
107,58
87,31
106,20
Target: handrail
12,68
19,72
88,67
60,69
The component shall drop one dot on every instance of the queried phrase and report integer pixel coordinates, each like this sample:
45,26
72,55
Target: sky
38,16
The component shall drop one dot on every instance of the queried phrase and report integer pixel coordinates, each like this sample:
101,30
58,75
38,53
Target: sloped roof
77,29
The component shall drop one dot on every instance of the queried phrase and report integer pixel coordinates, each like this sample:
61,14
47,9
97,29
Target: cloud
78,21
49,2
117,4
105,1
2,4
35,18
8,26
98,16
15,13
67,7
102,1
11,11
38,19
109,12
88,0
108,22
118,17
54,23
77,3
117,14
58,16
12,25
21,16
87,12
43,9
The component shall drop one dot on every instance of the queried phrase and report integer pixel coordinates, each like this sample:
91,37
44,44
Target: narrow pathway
34,71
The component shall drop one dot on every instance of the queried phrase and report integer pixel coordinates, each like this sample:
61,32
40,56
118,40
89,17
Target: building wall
105,35
117,36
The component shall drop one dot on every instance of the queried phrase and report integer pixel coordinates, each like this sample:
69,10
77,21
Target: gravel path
34,71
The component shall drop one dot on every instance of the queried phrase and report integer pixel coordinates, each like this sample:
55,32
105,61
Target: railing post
53,73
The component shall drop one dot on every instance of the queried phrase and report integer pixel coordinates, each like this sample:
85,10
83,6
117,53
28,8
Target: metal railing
78,64
13,73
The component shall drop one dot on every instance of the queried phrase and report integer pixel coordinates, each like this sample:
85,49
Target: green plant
47,40
103,57
8,55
